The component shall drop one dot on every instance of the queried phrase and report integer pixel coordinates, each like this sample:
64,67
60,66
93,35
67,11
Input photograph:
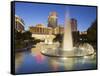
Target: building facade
52,20
40,29
58,30
19,24
83,36
43,33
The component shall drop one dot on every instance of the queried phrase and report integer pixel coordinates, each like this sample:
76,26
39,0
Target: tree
18,35
58,37
27,35
92,32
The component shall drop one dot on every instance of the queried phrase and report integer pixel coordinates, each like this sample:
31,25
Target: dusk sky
33,14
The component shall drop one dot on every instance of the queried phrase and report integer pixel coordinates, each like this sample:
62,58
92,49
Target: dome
40,25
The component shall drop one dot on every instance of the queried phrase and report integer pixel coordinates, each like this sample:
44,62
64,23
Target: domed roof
40,25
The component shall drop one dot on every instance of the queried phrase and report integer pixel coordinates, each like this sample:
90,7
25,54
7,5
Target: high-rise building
75,32
52,20
74,24
19,24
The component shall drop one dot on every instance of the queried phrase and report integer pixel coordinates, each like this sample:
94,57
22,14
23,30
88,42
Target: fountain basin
81,51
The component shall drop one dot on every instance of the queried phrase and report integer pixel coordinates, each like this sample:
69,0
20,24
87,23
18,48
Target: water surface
32,61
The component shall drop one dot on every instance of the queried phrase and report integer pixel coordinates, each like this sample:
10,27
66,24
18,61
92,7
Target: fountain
67,50
67,39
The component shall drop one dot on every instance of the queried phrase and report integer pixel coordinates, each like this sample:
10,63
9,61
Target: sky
33,14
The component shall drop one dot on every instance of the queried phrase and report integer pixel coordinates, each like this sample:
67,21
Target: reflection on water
18,60
32,61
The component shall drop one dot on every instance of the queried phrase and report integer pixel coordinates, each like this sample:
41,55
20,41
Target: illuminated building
58,30
83,33
43,33
83,36
52,20
40,29
19,24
